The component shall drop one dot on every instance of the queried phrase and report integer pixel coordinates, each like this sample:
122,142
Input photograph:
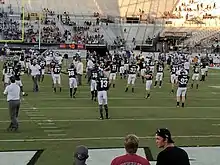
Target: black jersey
94,74
42,64
72,72
17,73
142,65
27,59
151,63
149,75
183,80
160,68
22,57
121,63
8,70
133,69
113,68
174,69
57,69
196,69
102,84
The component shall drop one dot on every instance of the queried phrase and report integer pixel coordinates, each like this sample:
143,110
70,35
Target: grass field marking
101,138
216,125
49,127
53,130
56,135
38,118
51,122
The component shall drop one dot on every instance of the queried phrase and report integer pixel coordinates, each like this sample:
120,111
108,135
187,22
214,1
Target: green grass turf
77,118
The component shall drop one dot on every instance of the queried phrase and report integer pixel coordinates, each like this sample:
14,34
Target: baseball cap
80,155
164,133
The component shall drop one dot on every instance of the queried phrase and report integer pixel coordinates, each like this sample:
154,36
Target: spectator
81,155
171,155
131,146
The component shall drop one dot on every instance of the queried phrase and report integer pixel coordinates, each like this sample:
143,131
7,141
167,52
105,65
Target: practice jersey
72,72
133,69
160,68
102,84
142,65
151,63
149,75
183,80
113,68
196,69
57,69
173,69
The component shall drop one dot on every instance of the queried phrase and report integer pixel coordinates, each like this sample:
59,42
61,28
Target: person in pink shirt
131,146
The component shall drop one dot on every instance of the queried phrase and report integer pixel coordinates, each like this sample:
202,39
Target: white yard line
50,122
99,138
113,107
113,98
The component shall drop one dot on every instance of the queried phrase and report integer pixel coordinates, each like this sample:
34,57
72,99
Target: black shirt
183,80
102,84
173,156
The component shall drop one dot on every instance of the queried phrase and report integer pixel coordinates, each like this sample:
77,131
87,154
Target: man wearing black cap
171,155
81,155
13,97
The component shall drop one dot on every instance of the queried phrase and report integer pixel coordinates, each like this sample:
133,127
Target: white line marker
100,138
38,118
44,123
118,107
52,130
35,115
57,134
215,124
49,127
50,122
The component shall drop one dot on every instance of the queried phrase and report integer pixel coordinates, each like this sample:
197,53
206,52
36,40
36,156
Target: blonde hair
131,143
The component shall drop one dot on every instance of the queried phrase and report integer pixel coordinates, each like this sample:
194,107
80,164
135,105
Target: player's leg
20,84
105,103
142,75
178,94
121,71
172,80
100,102
183,96
193,79
113,79
59,82
148,87
110,78
75,86
161,79
133,82
92,89
71,86
203,74
197,81
54,83
42,75
157,79
128,82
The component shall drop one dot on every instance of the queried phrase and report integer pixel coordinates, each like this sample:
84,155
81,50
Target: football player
159,75
173,75
113,72
132,73
183,80
8,71
195,76
17,74
42,65
56,71
72,80
122,68
149,78
93,85
102,87
203,71
142,66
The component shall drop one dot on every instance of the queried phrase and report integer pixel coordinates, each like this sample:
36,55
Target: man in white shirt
35,73
79,70
13,97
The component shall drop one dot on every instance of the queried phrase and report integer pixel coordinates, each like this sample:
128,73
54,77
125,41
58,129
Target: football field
56,124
